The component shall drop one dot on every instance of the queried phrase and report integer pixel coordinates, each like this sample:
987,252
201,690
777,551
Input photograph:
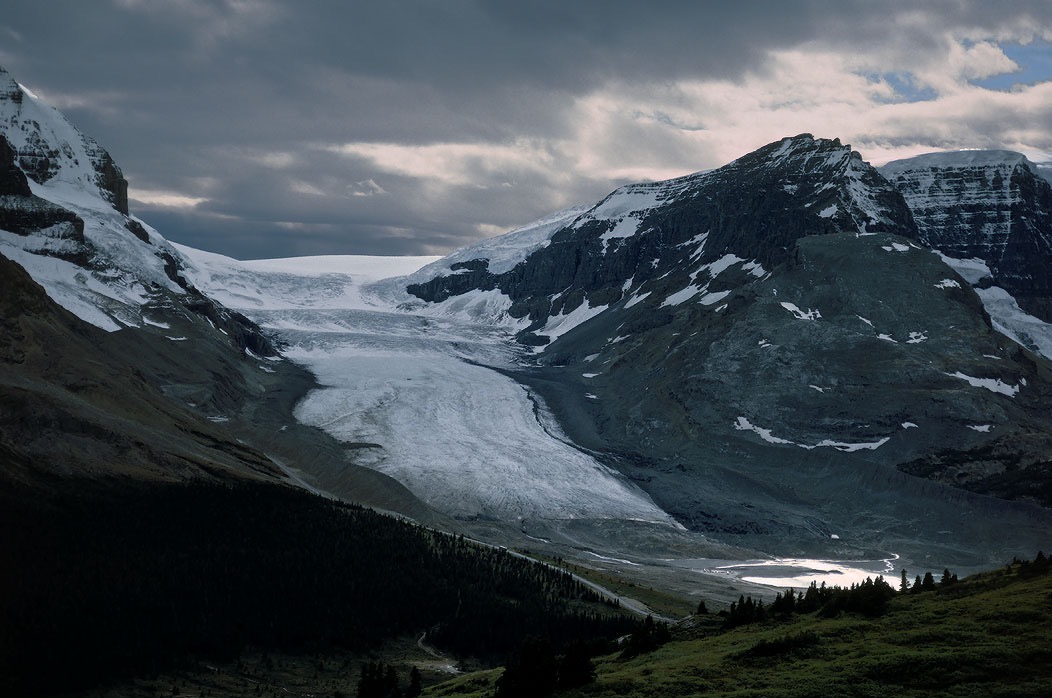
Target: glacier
418,391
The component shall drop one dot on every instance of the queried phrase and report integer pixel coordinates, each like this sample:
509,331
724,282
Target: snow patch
994,385
1015,323
850,447
743,424
984,428
155,323
681,296
971,270
800,314
558,325
948,283
713,297
638,298
625,228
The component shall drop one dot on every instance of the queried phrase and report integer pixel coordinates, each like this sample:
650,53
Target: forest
119,579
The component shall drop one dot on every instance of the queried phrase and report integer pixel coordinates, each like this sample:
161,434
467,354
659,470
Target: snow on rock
713,297
638,298
800,314
559,325
681,296
744,424
1015,323
984,428
948,283
971,270
850,447
626,227
995,385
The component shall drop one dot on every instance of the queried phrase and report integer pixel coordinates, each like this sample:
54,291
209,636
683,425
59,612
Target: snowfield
415,391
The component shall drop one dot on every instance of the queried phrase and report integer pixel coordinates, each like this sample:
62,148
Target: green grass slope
989,635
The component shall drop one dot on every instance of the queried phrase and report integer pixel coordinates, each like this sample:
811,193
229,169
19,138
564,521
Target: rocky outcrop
44,148
23,213
988,205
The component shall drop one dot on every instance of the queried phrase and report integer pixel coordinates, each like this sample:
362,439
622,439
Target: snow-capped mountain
66,220
990,214
673,239
766,354
772,336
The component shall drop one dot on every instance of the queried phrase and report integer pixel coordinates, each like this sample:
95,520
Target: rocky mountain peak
51,150
666,238
991,205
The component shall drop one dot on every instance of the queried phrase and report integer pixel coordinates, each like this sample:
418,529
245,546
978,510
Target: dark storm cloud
237,102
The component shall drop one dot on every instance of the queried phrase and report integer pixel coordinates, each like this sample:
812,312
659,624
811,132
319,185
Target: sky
274,128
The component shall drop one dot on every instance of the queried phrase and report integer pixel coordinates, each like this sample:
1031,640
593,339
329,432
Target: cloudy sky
262,128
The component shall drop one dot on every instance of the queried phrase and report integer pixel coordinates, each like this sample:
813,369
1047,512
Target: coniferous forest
119,580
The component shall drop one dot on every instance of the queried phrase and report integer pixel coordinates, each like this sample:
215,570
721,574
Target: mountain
990,214
66,220
767,348
767,354
678,236
113,366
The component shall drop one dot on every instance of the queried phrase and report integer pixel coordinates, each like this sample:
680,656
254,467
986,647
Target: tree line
116,581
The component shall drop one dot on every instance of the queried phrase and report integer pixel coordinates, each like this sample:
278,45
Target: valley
771,374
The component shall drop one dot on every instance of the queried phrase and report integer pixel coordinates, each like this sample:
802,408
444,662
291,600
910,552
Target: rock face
46,148
768,347
990,205
63,197
23,213
669,235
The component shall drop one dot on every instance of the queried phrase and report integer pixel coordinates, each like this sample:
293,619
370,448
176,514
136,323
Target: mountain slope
988,205
760,346
676,237
169,384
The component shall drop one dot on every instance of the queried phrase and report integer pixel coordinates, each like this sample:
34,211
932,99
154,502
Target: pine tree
904,585
575,667
415,687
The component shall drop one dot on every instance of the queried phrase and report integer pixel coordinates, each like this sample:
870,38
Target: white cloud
168,199
454,164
